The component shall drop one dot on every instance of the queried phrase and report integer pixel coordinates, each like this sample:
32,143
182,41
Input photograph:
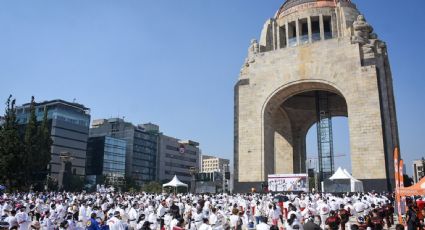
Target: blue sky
175,62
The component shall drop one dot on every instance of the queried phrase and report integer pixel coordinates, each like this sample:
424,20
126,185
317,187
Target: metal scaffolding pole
324,136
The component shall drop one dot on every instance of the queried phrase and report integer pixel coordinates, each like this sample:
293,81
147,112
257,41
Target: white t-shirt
204,227
12,221
262,226
115,224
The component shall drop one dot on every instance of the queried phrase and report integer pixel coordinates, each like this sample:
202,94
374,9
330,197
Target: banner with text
288,183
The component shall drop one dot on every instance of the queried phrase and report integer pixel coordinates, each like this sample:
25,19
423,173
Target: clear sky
175,62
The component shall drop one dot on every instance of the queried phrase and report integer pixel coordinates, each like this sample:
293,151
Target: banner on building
288,183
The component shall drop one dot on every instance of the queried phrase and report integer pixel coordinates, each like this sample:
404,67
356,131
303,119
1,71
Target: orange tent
416,190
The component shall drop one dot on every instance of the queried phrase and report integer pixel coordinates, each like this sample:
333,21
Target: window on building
315,29
327,26
292,34
304,30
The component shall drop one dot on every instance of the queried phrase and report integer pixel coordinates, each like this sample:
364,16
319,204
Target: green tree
43,157
30,159
130,184
152,187
11,149
407,181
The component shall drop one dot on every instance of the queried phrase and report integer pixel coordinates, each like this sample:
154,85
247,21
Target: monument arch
313,55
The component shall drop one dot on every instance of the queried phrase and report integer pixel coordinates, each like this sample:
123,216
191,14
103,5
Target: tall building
214,164
177,157
418,170
106,160
69,129
211,164
141,147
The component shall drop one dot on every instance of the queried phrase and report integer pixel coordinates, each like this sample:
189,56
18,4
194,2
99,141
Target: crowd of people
119,211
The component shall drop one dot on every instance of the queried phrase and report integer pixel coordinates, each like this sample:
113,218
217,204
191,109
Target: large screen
288,183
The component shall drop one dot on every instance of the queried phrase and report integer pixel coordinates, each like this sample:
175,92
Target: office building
106,160
177,157
69,128
214,164
141,146
418,170
211,164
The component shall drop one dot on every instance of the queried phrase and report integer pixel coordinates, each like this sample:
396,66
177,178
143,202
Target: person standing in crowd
412,218
213,217
323,210
422,221
333,221
92,223
205,225
293,223
115,222
133,216
344,215
180,225
310,225
257,212
23,218
275,215
11,219
262,225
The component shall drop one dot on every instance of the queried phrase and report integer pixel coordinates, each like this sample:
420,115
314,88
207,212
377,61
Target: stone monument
314,49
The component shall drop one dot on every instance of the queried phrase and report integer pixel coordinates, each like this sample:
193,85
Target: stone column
297,30
322,28
277,31
310,38
287,33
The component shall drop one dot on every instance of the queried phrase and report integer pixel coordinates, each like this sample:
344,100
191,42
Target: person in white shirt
359,208
133,216
293,223
11,219
257,212
323,210
161,213
262,224
115,222
46,222
152,218
213,217
205,225
234,219
82,214
22,218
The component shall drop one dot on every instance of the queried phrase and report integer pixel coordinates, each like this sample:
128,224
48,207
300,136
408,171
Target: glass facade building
106,157
141,146
69,128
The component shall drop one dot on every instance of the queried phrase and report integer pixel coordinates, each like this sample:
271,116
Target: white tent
175,182
342,181
356,185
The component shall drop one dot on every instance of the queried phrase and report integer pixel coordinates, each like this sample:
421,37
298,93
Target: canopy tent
342,181
175,182
414,190
356,185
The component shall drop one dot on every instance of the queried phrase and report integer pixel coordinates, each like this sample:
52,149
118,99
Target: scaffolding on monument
324,136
